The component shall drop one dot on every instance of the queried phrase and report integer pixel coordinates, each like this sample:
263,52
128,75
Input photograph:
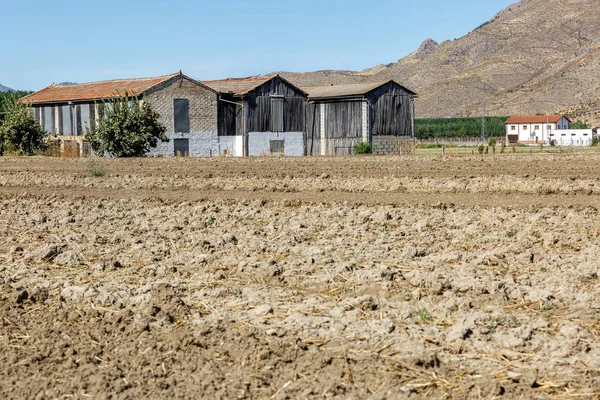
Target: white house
537,129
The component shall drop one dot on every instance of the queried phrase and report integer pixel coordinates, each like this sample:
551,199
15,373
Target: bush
594,142
362,148
127,129
19,131
480,149
97,169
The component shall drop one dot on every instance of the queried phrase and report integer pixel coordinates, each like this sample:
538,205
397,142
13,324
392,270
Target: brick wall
203,138
388,144
203,105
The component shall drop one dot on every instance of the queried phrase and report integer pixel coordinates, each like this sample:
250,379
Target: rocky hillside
5,89
536,56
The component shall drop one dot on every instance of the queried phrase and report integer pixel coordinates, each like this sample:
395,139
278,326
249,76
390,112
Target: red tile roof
237,86
94,90
540,119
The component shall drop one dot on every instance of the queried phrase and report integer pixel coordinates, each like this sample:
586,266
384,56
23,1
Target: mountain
536,56
6,89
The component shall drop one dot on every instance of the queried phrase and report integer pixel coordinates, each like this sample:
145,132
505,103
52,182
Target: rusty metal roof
237,86
345,90
94,90
540,119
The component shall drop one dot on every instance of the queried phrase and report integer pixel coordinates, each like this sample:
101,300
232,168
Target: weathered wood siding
258,110
230,118
312,129
259,107
343,119
390,111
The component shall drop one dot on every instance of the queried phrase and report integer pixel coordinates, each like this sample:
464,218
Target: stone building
187,108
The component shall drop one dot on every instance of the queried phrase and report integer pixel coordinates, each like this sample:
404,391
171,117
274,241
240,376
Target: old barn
339,116
187,108
260,116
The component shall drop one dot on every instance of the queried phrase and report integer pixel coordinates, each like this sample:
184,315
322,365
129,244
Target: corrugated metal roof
540,119
237,86
344,90
94,90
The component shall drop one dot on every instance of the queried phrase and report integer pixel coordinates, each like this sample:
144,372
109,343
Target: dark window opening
181,115
277,146
277,113
181,147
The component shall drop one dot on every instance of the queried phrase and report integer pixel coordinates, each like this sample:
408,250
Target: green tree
19,130
126,128
579,125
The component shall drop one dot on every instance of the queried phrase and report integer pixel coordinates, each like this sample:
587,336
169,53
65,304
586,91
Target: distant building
260,116
339,116
255,116
187,108
535,129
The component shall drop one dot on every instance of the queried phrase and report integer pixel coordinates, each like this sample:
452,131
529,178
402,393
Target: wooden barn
339,116
186,107
260,116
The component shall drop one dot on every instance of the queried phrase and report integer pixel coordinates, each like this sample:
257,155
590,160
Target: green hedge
431,128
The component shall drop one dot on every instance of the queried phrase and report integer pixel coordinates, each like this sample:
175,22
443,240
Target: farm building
536,129
339,116
260,116
187,108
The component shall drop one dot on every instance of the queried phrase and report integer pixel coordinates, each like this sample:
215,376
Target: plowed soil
350,277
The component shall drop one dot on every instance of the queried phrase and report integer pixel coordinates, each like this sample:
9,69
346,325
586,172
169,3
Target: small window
181,115
573,134
277,146
277,113
181,147
537,127
513,128
585,134
552,134
549,127
563,134
525,128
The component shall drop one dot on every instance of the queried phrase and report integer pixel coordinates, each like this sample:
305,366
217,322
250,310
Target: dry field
351,278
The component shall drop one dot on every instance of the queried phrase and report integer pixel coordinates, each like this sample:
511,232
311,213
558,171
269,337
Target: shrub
595,142
97,169
362,148
480,149
19,131
127,129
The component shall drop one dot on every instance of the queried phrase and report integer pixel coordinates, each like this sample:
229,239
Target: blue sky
81,41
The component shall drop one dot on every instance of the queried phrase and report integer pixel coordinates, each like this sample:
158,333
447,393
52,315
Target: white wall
202,144
572,137
259,143
231,146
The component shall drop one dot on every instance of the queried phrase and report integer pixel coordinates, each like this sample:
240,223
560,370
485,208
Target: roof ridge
114,80
238,79
345,84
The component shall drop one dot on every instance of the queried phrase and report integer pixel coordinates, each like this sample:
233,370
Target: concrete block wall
259,143
388,144
202,144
